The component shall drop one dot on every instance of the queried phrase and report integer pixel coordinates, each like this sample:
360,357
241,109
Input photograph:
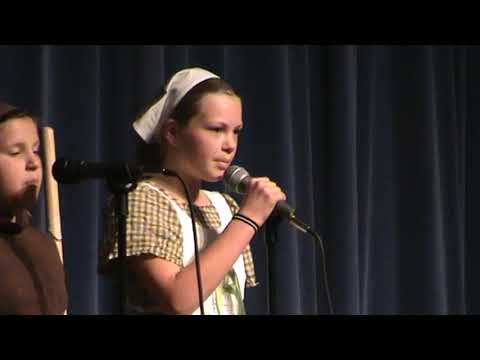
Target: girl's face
207,145
20,165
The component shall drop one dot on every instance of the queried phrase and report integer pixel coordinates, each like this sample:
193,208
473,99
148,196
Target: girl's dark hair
14,112
151,155
188,105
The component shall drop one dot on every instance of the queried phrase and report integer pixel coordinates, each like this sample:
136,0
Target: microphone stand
120,190
271,237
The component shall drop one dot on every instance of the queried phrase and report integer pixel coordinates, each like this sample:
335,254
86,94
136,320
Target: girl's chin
213,179
28,199
214,176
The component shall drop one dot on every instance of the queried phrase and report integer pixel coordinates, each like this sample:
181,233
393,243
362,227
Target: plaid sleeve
152,227
232,203
247,253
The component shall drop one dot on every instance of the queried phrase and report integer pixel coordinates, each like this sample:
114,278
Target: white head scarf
148,126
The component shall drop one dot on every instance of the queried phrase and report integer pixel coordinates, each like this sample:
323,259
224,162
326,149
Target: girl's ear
170,132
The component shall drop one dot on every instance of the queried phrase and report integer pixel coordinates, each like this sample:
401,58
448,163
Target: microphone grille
60,171
236,178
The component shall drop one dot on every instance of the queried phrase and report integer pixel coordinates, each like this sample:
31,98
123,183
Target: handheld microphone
10,228
237,179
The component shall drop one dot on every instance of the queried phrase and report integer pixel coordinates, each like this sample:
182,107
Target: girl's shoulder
151,189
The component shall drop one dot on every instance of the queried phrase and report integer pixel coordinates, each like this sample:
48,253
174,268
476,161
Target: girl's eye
238,131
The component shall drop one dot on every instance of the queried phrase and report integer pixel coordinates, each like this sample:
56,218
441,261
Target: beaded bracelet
246,220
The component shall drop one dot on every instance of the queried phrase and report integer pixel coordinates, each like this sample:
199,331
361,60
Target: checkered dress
154,228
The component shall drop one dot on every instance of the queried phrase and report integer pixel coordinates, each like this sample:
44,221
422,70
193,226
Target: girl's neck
174,185
20,216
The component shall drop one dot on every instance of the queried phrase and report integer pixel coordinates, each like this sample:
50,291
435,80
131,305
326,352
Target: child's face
20,165
207,145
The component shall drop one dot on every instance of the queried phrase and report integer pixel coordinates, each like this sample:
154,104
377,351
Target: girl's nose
33,161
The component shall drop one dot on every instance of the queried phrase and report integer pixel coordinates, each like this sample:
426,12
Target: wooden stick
51,187
51,190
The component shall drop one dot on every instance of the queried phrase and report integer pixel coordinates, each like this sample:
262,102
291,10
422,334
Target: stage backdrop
373,145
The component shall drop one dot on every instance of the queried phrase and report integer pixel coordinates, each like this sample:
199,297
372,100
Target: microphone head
61,171
236,178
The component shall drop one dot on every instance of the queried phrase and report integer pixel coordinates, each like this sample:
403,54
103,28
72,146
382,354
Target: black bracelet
246,220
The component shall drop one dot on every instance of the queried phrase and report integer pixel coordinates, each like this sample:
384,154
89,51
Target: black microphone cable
168,172
296,222
324,263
